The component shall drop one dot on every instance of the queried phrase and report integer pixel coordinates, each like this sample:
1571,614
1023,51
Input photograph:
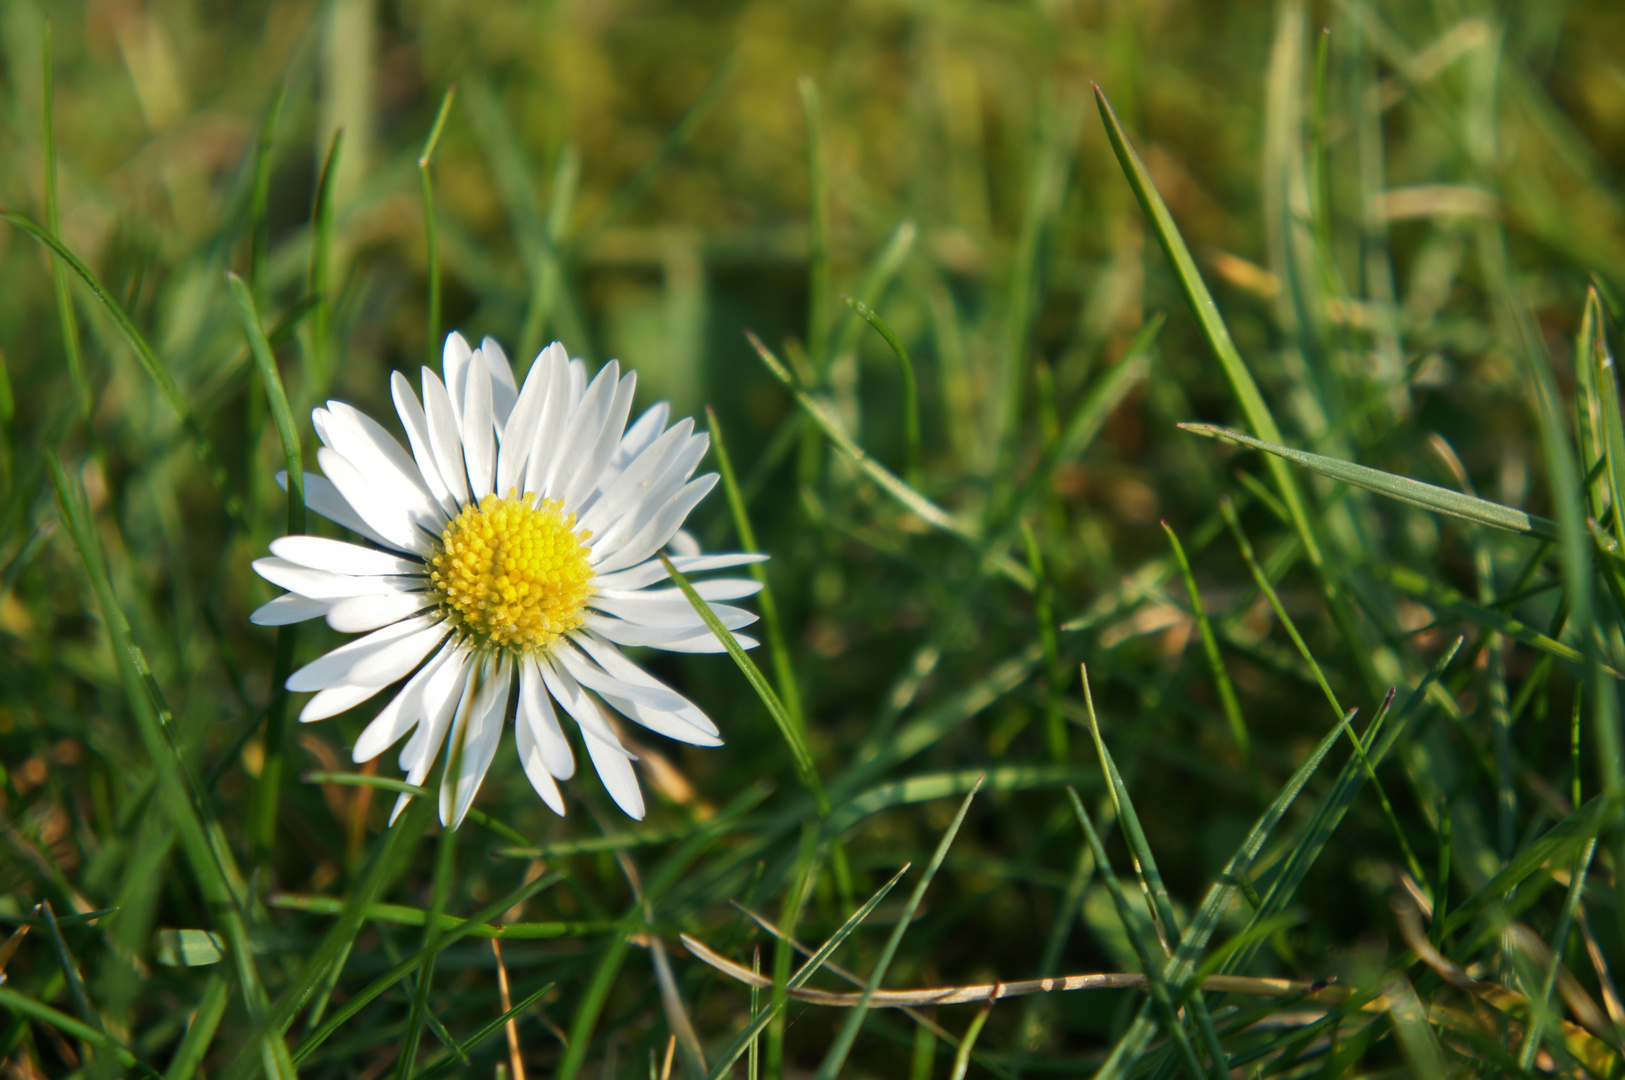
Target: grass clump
1299,748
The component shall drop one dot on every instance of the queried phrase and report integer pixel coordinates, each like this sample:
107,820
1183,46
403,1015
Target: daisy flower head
509,554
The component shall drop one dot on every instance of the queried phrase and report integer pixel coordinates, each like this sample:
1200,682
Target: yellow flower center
512,573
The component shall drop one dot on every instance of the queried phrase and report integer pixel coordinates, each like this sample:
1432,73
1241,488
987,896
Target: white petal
613,661
684,542
519,432
358,614
545,440
334,668
616,772
384,666
530,756
593,677
652,571
576,377
536,715
321,585
644,431
322,497
588,472
671,723
445,436
714,589
637,499
475,744
374,502
568,693
609,555
441,693
402,713
504,392
287,608
669,613
661,637
334,700
367,446
479,436
416,424
630,485
581,434
338,557
705,643
455,360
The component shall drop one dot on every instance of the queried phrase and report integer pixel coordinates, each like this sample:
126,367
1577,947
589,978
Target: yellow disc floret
512,573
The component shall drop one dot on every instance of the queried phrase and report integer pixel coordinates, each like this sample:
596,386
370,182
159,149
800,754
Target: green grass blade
469,1045
1560,940
318,283
263,811
818,314
175,792
784,672
366,996
1445,599
911,393
432,236
1145,866
1427,496
1210,648
1044,612
70,969
444,864
259,223
39,1012
53,224
1150,961
794,737
1212,324
835,1059
200,1030
1606,380
150,363
736,1049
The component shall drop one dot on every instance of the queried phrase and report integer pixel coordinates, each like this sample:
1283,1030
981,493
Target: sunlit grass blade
53,224
911,392
150,363
1150,960
1605,379
1427,496
172,784
794,737
1210,648
736,1049
835,1059
406,915
432,237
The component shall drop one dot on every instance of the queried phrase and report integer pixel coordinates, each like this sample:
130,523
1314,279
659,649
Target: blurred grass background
1394,214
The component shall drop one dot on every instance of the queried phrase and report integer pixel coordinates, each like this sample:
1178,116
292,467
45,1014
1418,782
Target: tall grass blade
911,392
53,224
200,1030
431,233
1210,648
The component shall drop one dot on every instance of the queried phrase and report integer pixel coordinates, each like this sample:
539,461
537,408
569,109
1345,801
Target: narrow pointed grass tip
510,549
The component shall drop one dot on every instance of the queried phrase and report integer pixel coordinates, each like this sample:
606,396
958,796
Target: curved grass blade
1427,496
1210,648
432,236
461,1051
154,368
911,393
53,224
836,1057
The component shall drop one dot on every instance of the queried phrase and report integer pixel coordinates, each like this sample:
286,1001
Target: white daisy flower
514,547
